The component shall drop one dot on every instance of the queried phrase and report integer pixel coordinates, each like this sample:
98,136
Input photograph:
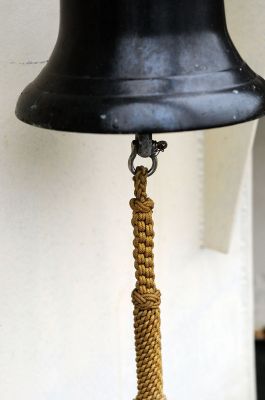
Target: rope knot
146,301
145,206
146,298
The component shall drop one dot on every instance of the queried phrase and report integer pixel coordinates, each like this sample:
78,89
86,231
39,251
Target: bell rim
150,114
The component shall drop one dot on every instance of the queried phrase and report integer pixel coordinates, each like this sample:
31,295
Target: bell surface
146,66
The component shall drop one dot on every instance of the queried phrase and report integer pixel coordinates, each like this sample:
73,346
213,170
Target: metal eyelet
145,147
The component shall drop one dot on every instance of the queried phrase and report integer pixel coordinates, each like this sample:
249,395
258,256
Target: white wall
259,225
66,270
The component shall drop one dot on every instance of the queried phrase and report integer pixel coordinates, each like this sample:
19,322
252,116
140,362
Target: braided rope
145,297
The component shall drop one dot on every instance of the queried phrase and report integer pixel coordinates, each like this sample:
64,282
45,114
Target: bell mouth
172,104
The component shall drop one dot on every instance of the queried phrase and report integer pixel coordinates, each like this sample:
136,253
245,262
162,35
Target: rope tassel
146,297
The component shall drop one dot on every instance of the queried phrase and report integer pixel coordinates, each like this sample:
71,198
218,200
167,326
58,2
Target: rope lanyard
146,297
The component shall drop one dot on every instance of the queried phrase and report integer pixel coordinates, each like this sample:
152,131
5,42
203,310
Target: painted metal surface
144,67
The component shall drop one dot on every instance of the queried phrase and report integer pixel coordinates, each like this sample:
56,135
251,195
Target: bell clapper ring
144,146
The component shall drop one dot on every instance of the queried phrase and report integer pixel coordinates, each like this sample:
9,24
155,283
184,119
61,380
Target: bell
142,66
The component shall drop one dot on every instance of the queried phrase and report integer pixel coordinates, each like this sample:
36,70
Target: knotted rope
145,297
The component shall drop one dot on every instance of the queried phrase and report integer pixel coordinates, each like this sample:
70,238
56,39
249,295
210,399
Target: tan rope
145,297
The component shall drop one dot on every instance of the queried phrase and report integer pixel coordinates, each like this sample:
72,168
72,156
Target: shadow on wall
259,224
43,162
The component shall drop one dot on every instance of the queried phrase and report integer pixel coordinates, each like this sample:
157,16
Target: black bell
125,66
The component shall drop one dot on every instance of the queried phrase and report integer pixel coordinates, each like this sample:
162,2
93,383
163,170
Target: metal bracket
144,146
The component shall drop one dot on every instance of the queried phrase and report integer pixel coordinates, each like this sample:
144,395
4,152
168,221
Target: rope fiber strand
146,297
